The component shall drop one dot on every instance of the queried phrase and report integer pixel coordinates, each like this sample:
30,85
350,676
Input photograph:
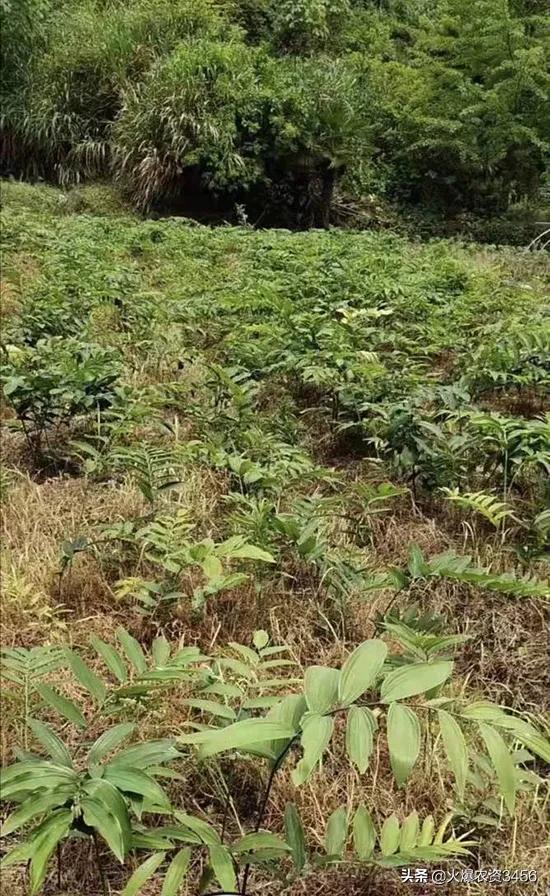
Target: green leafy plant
57,382
95,797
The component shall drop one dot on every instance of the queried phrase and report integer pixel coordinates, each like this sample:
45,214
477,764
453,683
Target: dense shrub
442,103
72,92
228,117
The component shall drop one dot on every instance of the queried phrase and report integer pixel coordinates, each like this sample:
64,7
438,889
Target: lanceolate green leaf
132,649
34,806
62,705
176,873
361,670
403,729
316,735
44,843
427,831
142,874
407,681
359,736
205,832
455,748
410,830
51,742
364,834
261,840
389,836
109,741
212,707
321,688
133,780
88,679
239,735
104,808
503,764
154,752
336,832
524,732
222,866
111,658
295,836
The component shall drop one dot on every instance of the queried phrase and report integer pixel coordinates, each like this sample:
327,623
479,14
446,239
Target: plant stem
100,866
263,806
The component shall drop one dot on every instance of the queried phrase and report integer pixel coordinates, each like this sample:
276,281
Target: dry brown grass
506,659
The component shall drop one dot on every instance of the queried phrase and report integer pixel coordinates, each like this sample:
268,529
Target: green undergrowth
282,404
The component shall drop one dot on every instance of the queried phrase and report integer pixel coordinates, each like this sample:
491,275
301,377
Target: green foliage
287,406
73,90
57,381
449,108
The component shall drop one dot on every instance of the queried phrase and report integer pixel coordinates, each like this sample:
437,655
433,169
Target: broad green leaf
62,705
316,735
111,658
337,832
249,655
455,749
251,552
176,873
161,650
483,711
359,736
410,830
503,764
109,741
239,735
261,840
403,730
321,688
88,679
44,844
212,566
389,836
133,780
36,805
407,681
261,702
361,670
223,868
260,639
295,836
51,742
215,709
142,874
204,831
364,834
132,649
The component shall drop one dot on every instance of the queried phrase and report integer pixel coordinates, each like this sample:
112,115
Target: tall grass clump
69,94
227,118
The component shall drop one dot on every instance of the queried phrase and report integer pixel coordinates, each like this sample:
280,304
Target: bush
229,118
56,381
72,91
194,116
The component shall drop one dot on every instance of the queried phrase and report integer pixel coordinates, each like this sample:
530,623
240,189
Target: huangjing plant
55,383
103,790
